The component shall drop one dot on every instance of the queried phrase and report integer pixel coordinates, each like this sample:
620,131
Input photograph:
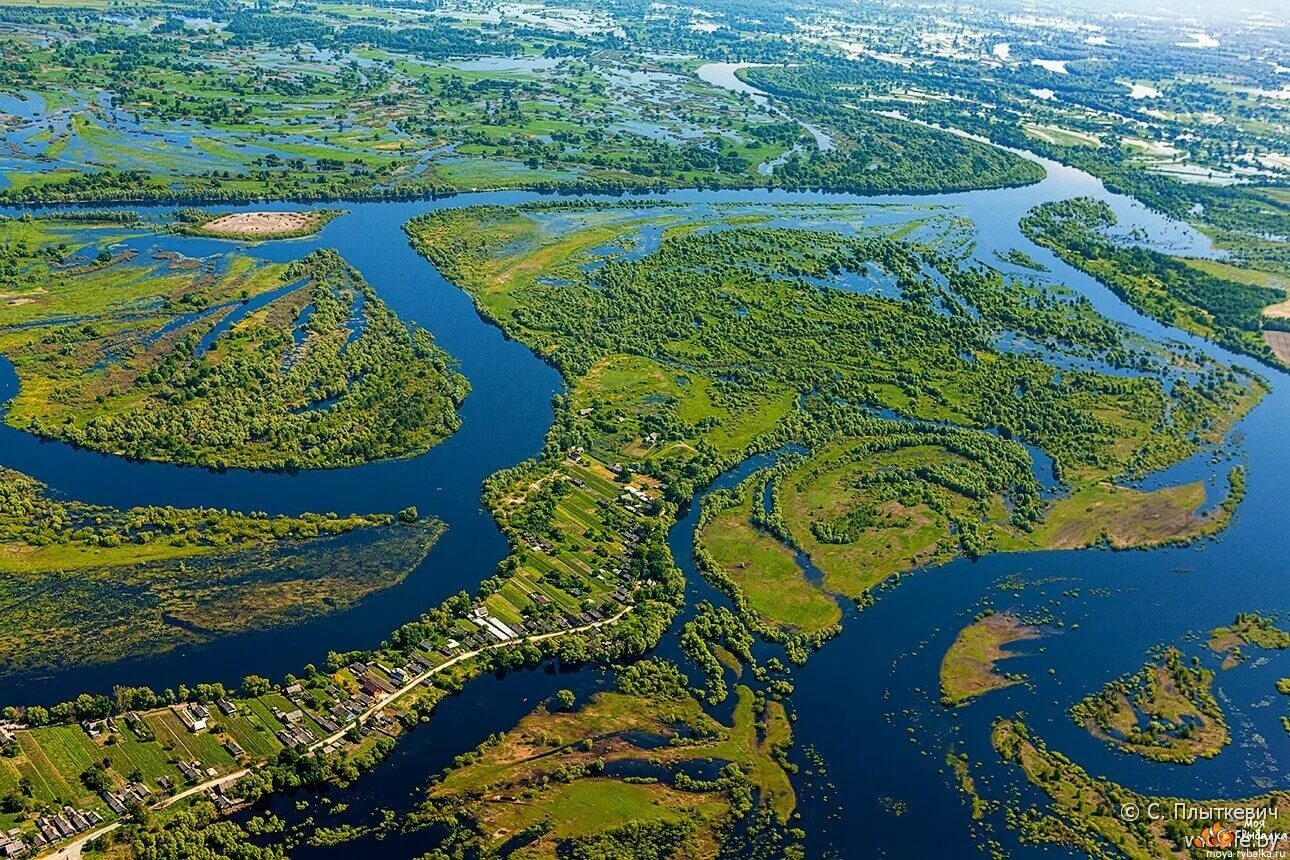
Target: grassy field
766,571
969,667
1122,517
1165,712
527,762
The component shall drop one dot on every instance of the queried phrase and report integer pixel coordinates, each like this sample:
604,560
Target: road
72,850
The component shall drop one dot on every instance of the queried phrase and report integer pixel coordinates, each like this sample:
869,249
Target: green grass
202,747
251,734
968,669
55,759
766,571
1122,516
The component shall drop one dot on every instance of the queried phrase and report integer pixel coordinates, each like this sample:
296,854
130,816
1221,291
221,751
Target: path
72,851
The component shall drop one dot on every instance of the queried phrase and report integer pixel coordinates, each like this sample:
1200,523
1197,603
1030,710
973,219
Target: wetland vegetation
89,584
1165,712
1231,312
909,432
220,363
970,666
1085,814
875,389
622,775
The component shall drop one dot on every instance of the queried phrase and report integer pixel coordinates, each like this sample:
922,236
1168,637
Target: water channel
859,697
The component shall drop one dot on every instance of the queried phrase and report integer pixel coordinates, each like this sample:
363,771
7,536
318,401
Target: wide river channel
867,702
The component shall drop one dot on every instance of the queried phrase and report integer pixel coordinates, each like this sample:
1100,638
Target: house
190,718
373,687
12,846
226,707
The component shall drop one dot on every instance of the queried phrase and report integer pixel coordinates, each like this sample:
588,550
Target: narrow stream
859,697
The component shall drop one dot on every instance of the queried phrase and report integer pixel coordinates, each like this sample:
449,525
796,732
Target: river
858,697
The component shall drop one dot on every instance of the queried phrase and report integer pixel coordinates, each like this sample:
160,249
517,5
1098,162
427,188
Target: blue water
857,697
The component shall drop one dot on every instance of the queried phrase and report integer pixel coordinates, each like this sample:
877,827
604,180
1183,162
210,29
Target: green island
92,584
1195,296
1164,712
1249,629
248,365
566,781
968,669
1086,812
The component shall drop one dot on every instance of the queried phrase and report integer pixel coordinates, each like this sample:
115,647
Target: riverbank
235,484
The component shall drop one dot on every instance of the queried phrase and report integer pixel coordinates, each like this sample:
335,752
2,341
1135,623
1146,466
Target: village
73,782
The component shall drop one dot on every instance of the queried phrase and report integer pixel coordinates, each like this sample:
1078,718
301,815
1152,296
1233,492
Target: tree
96,778
254,685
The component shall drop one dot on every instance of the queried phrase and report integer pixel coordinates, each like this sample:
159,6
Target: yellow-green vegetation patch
1249,628
1058,136
620,395
763,569
864,508
1164,712
1121,517
86,583
962,768
969,667
1249,276
550,777
1087,813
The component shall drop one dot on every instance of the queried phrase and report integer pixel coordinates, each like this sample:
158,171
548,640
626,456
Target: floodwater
867,702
